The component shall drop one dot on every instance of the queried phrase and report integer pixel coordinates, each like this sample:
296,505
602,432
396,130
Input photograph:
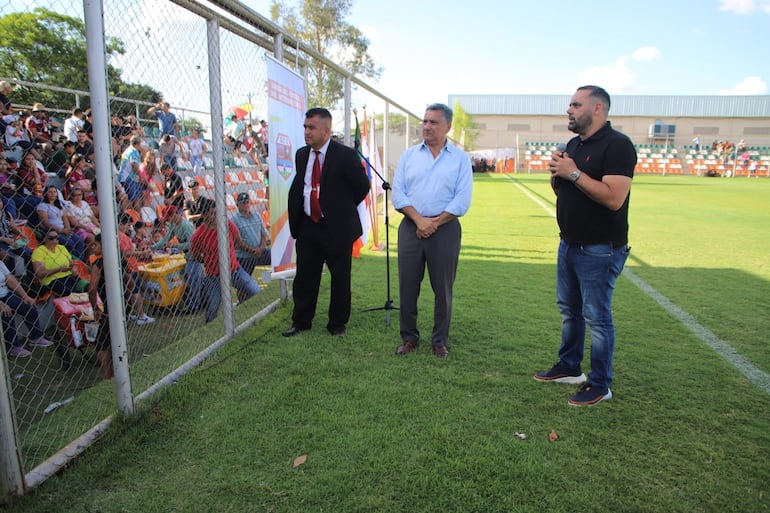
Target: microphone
562,147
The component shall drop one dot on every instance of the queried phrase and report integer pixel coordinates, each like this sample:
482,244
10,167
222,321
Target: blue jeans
194,276
243,283
28,313
585,281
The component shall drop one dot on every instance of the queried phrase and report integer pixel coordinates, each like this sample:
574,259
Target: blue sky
429,50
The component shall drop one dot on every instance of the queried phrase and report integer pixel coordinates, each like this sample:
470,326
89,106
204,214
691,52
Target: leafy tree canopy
321,24
46,47
464,129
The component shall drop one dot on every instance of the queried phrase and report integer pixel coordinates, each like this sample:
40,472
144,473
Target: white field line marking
757,376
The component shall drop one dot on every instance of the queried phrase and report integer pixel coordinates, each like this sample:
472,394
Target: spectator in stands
88,125
16,134
168,150
81,216
83,145
203,246
753,169
151,176
51,214
234,130
173,192
58,162
194,206
166,119
75,176
15,300
32,173
696,140
133,257
197,150
129,173
53,266
263,136
143,236
40,128
6,107
20,203
252,250
97,291
12,241
72,124
181,231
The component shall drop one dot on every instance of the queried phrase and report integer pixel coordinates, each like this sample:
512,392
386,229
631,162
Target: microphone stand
388,302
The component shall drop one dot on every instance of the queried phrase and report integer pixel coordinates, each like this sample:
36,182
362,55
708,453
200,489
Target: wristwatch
573,176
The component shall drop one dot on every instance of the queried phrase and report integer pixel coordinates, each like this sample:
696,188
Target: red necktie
315,184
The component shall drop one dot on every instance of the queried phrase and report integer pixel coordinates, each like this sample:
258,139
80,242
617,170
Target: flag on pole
363,207
375,188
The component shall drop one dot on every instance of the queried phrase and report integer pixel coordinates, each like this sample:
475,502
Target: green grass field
686,431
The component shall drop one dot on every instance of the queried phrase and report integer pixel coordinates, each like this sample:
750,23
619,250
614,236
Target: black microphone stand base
388,307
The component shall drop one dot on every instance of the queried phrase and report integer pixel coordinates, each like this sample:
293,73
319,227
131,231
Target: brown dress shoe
407,347
440,351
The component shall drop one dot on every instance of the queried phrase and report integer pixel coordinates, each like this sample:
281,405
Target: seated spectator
75,175
168,150
193,206
143,236
83,146
251,250
10,235
51,214
16,134
81,216
40,128
15,300
32,173
173,193
53,266
17,200
129,173
135,286
203,246
179,228
60,160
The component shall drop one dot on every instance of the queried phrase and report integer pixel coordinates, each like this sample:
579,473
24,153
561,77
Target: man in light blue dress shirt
432,188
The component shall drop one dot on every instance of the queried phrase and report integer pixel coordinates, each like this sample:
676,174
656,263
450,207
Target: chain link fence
54,396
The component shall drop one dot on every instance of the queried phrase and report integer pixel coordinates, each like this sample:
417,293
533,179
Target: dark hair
125,219
138,225
56,202
206,205
320,112
598,93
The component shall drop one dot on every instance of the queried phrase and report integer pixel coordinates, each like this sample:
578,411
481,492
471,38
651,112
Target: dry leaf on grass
552,436
299,460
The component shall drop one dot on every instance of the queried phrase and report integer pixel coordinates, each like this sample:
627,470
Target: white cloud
745,6
615,77
747,86
646,53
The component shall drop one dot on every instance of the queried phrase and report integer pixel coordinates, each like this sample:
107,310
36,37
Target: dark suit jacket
344,185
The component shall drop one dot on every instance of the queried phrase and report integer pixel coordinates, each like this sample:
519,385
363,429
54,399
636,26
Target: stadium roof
630,105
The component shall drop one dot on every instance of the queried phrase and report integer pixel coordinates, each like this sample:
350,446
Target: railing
54,404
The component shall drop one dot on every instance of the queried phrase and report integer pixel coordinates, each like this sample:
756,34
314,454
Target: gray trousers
440,252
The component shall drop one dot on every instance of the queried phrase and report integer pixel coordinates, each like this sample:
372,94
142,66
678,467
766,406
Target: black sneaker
590,395
559,373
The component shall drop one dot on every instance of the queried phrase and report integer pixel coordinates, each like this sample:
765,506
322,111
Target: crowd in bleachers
49,224
722,158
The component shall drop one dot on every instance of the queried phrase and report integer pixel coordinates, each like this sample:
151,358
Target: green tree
396,121
321,24
46,47
464,129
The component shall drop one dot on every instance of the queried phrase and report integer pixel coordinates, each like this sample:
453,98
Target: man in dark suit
328,185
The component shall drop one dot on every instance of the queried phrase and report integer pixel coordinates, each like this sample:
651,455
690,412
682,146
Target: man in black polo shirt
592,182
